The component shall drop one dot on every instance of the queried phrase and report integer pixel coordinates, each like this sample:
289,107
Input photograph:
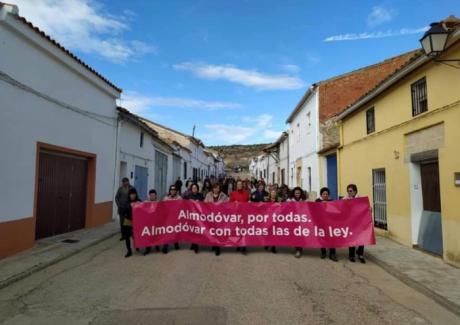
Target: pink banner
340,223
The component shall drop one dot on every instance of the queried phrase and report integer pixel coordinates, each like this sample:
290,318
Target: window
308,119
141,143
419,100
379,198
185,170
370,120
309,179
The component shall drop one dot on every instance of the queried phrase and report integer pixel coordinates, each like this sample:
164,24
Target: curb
444,302
39,267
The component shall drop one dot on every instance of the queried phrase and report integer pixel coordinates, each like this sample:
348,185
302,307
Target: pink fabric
343,223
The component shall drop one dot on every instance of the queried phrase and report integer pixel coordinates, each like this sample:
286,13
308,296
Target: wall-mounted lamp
396,154
435,39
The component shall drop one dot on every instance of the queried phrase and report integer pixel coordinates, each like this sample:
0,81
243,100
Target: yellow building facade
400,144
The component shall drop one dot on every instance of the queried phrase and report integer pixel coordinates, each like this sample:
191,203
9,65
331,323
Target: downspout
117,163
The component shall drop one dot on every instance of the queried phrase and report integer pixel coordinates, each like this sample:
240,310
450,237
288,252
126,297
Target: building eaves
137,120
275,144
299,105
59,46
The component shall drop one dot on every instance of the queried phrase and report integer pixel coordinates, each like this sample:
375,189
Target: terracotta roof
375,89
338,92
62,48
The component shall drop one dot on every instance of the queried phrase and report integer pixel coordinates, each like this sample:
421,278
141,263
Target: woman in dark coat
195,195
127,227
324,197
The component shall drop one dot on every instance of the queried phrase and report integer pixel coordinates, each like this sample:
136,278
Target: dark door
61,200
430,235
332,175
430,186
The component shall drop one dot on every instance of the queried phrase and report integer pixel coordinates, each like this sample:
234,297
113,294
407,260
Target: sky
233,68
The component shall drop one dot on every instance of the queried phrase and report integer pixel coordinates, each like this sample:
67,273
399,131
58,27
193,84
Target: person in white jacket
216,196
298,195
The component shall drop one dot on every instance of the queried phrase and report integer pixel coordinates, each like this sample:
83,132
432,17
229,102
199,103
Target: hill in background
238,156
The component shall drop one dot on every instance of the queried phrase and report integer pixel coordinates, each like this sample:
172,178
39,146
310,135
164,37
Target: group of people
224,190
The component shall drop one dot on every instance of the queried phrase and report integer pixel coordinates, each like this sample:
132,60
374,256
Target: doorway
61,196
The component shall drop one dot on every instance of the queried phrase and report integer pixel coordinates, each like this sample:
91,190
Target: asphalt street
100,286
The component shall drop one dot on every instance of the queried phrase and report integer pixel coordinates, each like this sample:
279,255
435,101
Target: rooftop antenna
193,132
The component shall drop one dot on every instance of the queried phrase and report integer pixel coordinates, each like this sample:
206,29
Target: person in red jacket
240,195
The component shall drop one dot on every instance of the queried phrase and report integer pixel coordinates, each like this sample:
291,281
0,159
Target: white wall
284,156
26,118
133,154
303,143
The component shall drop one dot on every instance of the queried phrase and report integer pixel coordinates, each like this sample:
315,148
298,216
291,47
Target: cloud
252,129
261,121
380,15
141,104
292,68
381,34
82,25
248,78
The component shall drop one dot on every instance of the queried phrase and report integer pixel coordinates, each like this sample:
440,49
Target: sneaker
297,254
361,259
333,257
128,254
217,252
274,250
323,255
352,259
122,238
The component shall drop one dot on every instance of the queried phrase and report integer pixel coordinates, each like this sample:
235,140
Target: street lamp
435,39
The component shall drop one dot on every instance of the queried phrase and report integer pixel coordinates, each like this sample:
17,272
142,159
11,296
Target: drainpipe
117,163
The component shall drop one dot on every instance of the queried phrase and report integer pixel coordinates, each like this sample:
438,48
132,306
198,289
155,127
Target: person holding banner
298,195
240,195
216,196
173,194
273,198
260,195
153,197
324,197
352,192
195,195
128,220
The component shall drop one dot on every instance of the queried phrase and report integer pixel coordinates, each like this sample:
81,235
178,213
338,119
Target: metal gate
141,181
61,199
331,161
176,167
161,172
380,198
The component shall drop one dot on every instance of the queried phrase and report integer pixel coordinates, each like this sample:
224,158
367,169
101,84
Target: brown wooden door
61,201
430,186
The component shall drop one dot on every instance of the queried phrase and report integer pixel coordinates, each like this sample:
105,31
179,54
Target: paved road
100,286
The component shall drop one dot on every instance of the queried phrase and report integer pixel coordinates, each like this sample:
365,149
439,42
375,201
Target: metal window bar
419,97
370,120
380,199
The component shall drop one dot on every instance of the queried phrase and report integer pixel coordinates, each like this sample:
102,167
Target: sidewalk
52,250
425,273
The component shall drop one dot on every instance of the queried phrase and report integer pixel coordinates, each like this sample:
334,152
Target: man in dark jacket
122,201
179,185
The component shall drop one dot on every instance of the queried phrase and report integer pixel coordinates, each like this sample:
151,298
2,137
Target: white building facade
303,145
58,174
